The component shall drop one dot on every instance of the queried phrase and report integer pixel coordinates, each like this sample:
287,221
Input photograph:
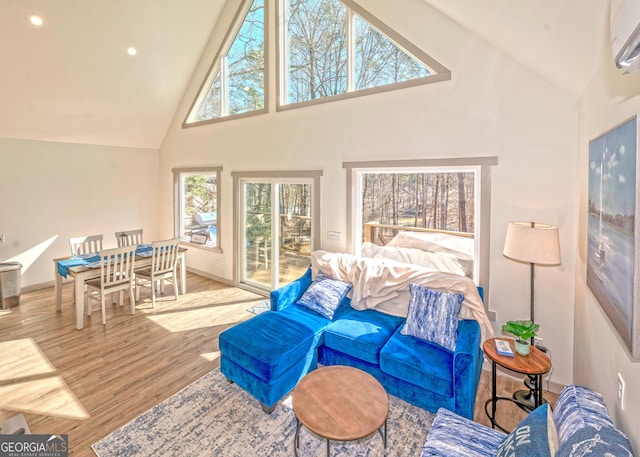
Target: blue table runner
93,260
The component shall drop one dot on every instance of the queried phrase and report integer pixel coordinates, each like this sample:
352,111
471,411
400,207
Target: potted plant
523,331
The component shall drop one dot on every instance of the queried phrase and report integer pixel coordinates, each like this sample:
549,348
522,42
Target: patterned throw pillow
324,295
433,316
535,435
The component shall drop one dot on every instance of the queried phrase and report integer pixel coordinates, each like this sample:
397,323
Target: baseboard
205,274
42,285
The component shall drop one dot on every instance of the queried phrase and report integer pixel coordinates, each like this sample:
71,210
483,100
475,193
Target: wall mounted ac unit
625,35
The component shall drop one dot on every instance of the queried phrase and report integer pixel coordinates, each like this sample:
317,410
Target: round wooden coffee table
340,403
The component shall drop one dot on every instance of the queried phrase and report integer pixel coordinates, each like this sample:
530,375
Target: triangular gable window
333,48
327,50
379,61
236,84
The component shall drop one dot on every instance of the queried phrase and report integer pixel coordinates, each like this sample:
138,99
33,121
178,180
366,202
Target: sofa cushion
578,407
452,435
418,362
268,344
361,334
595,441
433,316
324,295
271,391
299,315
535,435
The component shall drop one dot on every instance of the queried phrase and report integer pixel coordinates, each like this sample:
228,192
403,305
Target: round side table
535,365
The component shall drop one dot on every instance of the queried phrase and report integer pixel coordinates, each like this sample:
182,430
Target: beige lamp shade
532,243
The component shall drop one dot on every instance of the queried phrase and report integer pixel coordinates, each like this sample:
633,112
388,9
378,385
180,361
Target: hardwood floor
87,383
508,415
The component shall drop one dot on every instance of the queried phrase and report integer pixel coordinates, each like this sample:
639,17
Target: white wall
493,106
600,353
52,191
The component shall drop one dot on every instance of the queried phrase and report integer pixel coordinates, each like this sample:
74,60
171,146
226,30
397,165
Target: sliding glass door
276,230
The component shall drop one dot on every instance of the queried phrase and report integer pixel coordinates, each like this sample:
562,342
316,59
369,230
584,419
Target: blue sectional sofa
580,420
268,354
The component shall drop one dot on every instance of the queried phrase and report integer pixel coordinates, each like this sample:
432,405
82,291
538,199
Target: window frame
482,203
440,72
178,204
273,176
218,63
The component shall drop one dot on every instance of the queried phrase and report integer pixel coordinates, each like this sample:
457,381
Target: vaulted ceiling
71,80
565,41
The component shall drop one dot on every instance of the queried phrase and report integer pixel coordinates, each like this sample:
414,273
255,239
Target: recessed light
132,51
36,20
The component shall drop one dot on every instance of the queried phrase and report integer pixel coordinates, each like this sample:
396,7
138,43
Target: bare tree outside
244,71
201,194
317,60
316,35
282,231
378,61
245,63
439,201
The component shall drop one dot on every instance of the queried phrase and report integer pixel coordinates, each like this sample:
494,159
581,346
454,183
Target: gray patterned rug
212,417
260,308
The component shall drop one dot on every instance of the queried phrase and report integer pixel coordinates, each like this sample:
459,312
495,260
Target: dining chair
129,237
164,260
85,244
116,275
81,245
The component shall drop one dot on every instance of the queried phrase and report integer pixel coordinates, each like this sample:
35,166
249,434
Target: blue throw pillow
536,436
433,316
595,441
324,295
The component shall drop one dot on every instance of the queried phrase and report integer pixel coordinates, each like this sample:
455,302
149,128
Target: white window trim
178,203
218,63
483,204
271,176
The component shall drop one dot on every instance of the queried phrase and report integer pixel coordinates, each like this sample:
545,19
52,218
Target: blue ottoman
268,354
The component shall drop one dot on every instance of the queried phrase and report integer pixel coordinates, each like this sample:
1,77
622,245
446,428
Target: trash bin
10,284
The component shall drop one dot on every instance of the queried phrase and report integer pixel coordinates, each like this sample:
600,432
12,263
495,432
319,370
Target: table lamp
535,244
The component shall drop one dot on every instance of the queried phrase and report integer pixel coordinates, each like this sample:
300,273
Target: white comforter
384,285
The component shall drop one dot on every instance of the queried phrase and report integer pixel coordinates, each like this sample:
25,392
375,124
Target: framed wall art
612,253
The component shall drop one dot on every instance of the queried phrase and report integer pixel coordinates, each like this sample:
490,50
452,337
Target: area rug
260,308
215,418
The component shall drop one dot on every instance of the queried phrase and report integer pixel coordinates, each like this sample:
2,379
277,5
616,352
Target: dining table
87,266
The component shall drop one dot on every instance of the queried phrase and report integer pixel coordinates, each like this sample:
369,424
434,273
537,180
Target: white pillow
438,261
460,246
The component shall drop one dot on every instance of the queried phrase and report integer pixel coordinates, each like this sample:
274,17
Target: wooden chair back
85,244
129,237
164,256
116,268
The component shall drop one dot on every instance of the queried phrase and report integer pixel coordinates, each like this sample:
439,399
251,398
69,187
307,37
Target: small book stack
504,348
